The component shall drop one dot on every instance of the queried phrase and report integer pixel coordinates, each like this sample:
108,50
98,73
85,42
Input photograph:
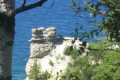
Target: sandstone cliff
45,47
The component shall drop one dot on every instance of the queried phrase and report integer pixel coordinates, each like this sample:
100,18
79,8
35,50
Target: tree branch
28,7
24,3
52,3
93,10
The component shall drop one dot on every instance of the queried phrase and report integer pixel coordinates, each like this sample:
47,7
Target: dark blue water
60,15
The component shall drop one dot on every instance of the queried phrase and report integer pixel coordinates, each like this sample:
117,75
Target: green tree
78,69
107,10
7,26
105,65
109,69
35,73
101,63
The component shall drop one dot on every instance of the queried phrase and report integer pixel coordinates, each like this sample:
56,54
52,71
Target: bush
69,50
35,73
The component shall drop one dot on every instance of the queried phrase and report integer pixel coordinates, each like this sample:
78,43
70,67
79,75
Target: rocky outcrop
42,41
45,47
43,35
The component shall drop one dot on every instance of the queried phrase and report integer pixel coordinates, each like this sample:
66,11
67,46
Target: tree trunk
7,23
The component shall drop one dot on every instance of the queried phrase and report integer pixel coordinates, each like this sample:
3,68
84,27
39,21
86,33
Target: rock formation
42,41
45,47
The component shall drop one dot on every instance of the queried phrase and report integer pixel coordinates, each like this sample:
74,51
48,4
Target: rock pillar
42,41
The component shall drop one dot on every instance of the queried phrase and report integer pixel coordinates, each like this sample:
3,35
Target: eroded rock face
43,35
42,41
45,48
39,50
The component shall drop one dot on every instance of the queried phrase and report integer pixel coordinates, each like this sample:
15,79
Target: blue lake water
60,15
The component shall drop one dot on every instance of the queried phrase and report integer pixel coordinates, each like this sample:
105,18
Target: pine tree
108,10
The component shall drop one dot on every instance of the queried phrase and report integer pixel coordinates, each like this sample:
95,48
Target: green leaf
91,14
74,3
117,10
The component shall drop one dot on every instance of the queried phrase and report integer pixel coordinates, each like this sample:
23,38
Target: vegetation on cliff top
101,63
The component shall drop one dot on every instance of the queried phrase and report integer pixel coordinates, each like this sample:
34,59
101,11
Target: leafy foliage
72,50
109,68
78,70
107,10
35,73
100,64
51,63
